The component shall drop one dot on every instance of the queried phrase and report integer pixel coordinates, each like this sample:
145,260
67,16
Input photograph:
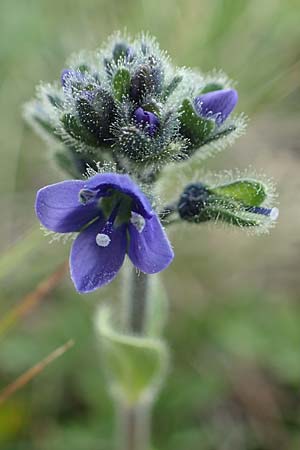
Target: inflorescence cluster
127,107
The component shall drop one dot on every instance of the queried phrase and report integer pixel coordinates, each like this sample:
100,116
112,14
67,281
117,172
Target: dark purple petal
92,265
147,119
123,183
58,207
150,250
216,105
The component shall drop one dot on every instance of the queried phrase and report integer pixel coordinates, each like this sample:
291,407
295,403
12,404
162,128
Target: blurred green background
234,326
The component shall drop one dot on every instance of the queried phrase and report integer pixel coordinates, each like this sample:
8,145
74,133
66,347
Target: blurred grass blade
18,252
34,371
32,299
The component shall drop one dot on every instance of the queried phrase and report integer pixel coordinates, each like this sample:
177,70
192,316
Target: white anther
103,240
274,213
137,221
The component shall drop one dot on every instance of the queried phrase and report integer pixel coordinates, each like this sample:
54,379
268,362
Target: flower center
117,207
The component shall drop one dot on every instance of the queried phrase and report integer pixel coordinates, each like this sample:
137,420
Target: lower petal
150,250
93,265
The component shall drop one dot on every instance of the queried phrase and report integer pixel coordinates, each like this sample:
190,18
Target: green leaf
121,83
248,191
135,366
194,127
77,131
210,87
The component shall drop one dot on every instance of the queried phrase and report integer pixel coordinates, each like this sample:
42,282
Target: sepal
121,84
193,127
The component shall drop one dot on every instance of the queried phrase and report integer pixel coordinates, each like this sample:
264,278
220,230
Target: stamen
137,221
103,240
273,213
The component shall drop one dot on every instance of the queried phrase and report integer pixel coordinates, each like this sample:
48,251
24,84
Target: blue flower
216,105
113,217
147,120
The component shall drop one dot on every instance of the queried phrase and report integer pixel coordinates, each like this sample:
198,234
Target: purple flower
147,120
216,105
113,217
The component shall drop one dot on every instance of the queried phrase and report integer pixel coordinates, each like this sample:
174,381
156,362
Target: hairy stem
134,426
134,419
138,302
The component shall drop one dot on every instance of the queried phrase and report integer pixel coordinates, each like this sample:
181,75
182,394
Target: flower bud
147,80
72,78
147,120
134,143
95,111
192,202
216,105
236,203
122,50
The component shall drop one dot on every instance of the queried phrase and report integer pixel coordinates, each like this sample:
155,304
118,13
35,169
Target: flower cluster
127,107
128,104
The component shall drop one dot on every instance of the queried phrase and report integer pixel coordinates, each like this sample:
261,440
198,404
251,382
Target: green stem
133,432
133,426
138,302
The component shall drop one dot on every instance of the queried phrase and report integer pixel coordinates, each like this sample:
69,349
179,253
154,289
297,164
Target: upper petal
59,209
93,266
150,250
123,183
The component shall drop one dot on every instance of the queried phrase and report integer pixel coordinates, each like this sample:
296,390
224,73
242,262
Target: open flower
113,217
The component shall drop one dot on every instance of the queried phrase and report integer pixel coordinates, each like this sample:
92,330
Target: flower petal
217,104
59,209
150,250
123,183
147,119
93,265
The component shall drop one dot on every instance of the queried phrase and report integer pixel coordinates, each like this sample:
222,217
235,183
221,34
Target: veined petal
59,209
123,183
150,250
93,262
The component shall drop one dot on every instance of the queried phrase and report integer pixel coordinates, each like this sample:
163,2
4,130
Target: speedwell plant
117,122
